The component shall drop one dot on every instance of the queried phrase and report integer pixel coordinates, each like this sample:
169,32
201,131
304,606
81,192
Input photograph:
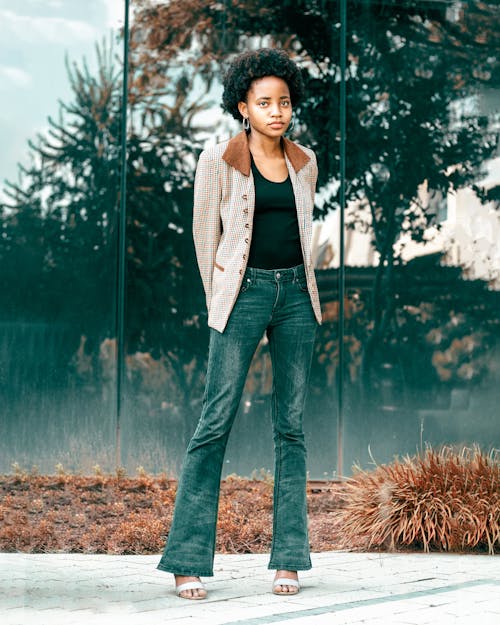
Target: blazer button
247,225
244,256
245,197
246,211
246,240
241,271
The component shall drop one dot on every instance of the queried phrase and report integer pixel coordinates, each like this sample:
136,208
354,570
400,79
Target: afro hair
256,64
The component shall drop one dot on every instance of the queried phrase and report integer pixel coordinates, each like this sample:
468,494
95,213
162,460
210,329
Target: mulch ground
122,515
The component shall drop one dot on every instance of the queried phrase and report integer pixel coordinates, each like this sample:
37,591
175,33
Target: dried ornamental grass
440,500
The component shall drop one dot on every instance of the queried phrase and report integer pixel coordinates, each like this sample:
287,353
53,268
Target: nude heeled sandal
286,581
190,586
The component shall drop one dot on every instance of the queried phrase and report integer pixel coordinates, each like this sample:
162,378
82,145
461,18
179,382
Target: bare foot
284,588
192,593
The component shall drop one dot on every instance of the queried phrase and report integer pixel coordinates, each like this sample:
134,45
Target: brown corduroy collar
237,154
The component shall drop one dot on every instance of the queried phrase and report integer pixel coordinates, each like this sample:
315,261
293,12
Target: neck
267,147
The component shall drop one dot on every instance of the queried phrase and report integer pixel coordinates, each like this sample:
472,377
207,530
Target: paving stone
342,587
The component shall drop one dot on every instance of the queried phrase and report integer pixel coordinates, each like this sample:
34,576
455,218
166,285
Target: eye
285,102
262,103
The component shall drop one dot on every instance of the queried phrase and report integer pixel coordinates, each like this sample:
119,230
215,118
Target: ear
243,109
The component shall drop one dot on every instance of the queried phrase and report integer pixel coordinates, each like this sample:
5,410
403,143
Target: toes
193,593
286,589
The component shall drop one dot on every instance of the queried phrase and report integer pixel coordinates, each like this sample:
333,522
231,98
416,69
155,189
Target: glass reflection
422,261
422,266
178,54
60,157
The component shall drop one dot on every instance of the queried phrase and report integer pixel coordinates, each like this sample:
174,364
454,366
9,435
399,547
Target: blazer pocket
219,267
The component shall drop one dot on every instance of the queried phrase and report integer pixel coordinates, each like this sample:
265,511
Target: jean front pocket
246,284
301,283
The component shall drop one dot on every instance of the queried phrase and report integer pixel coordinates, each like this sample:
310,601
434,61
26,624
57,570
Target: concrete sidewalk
380,589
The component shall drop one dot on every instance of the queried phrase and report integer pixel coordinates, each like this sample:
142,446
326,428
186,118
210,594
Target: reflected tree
59,231
164,291
408,69
412,67
58,221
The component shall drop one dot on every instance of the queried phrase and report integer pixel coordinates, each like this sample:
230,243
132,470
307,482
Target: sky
35,36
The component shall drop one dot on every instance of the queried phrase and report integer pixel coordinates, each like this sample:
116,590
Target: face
268,106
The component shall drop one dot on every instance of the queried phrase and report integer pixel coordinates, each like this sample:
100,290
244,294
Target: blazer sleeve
206,217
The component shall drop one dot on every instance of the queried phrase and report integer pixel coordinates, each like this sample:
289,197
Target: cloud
52,4
10,75
115,12
56,30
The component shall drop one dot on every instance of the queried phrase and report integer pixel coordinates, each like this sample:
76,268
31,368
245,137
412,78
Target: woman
252,223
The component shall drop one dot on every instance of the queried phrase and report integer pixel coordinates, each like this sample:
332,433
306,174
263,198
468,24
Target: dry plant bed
443,500
117,514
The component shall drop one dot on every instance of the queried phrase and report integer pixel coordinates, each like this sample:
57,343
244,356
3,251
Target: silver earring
291,125
246,123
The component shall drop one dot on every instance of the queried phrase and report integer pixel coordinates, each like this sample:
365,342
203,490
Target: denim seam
289,566
277,481
184,571
277,470
214,521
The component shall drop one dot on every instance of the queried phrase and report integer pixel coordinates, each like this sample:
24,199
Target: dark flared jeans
275,302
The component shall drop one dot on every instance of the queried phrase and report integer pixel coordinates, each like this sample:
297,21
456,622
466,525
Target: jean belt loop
295,274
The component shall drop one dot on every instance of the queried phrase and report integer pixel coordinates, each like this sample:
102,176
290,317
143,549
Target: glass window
421,229
61,77
406,228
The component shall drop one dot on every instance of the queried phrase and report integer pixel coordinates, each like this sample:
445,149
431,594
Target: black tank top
276,237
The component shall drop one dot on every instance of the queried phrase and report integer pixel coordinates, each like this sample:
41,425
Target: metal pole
341,286
122,230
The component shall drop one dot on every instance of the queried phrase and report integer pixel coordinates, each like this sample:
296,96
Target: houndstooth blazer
224,202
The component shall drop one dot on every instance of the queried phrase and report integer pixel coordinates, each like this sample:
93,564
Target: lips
276,124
